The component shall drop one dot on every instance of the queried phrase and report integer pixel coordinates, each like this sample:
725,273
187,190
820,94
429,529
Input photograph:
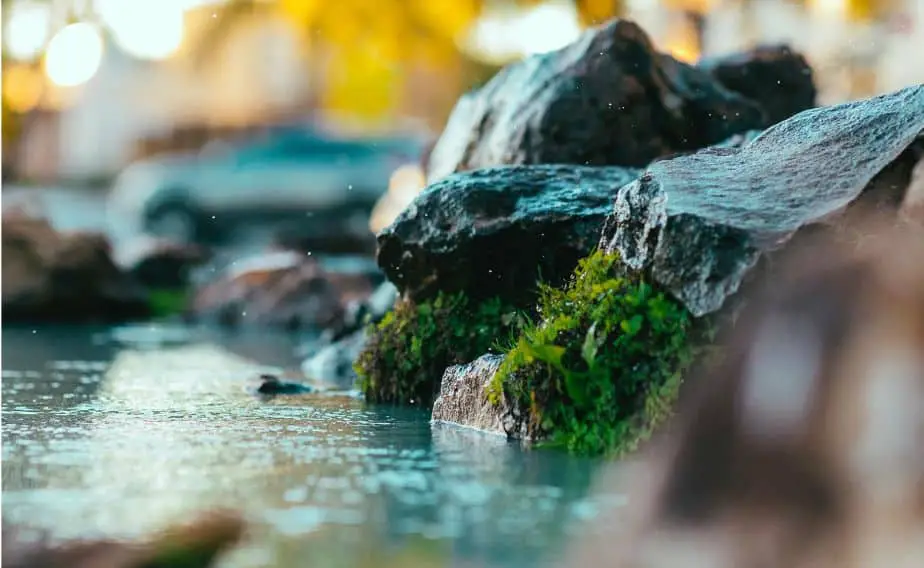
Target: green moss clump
604,364
404,359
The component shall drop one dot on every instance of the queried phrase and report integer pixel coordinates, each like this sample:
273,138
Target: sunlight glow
508,35
26,30
74,55
147,29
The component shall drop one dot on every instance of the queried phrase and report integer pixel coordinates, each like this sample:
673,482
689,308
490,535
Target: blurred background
243,106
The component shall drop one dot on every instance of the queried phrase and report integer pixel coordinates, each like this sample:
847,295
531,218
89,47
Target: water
117,432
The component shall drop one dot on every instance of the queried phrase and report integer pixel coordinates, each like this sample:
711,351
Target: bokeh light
22,87
151,29
26,30
74,55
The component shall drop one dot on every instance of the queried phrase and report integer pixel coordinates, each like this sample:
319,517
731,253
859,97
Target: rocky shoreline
592,216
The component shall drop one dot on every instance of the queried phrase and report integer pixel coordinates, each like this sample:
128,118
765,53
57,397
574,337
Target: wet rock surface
50,276
494,231
699,223
282,289
609,98
462,400
779,79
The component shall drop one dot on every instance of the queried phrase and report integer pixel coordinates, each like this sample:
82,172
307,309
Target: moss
603,366
404,359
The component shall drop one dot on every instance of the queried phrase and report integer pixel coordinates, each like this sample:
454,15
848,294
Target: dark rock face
160,263
50,276
282,289
699,223
494,231
607,99
462,400
774,76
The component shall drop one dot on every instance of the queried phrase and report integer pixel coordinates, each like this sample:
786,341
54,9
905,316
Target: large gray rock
607,99
699,223
774,76
494,231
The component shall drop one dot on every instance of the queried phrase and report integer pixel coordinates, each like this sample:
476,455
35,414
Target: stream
116,432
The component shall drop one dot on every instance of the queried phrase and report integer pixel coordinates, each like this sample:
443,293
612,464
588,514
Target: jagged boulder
779,79
609,98
699,223
492,232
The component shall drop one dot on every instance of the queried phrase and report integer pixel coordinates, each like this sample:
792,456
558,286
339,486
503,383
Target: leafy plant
603,365
405,357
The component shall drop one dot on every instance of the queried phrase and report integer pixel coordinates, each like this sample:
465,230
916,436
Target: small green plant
603,364
407,352
167,302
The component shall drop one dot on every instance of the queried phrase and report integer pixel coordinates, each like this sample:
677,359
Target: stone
332,364
699,223
331,360
161,263
779,79
281,289
271,385
609,98
462,400
198,544
51,276
495,231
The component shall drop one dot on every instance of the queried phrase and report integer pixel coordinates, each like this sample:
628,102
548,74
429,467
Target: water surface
116,432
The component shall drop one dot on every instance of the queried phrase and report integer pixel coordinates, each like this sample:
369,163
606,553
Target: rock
699,223
332,360
49,276
462,400
196,545
607,99
332,364
494,231
160,263
271,385
281,289
778,79
806,426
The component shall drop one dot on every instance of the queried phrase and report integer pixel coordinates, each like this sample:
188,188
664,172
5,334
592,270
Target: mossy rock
603,365
408,351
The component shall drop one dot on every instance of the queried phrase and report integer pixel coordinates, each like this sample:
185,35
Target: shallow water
117,432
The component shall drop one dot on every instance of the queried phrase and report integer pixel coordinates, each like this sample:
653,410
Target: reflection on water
119,432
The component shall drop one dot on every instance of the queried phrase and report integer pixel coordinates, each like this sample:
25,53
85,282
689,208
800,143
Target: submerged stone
270,385
699,223
609,98
494,232
779,79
